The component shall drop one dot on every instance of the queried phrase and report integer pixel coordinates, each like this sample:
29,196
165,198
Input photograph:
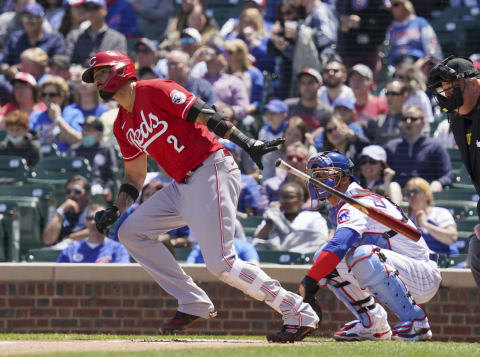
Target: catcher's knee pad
371,270
249,282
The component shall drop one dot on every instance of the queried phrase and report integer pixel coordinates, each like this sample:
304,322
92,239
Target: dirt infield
11,348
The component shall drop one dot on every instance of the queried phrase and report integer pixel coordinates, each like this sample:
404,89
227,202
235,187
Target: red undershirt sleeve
325,263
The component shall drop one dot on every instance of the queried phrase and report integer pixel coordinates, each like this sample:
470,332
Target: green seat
30,221
50,149
57,170
460,210
280,257
442,261
462,180
13,169
3,241
467,225
250,224
454,259
463,241
11,226
3,134
456,194
43,255
181,253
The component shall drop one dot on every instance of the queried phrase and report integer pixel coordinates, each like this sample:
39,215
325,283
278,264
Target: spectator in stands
367,105
87,100
179,70
32,35
416,85
190,40
19,142
100,155
415,154
308,107
145,73
228,89
121,16
339,136
239,64
152,16
289,227
59,65
297,130
296,156
334,77
362,31
144,50
54,12
375,175
68,223
83,43
436,223
25,97
410,36
388,126
444,135
232,23
75,17
11,21
58,124
96,248
35,61
199,20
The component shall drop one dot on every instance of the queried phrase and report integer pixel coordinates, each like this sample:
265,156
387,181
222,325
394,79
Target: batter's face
100,75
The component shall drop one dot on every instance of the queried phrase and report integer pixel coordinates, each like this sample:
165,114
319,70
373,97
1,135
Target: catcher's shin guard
370,268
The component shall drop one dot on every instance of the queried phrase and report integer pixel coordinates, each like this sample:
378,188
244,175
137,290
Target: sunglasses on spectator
391,92
90,7
287,13
330,130
414,192
296,158
328,70
187,41
412,119
399,76
396,4
368,161
75,191
230,52
30,18
90,218
143,50
50,94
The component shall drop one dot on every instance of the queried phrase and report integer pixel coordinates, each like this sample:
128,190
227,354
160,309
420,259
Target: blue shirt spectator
249,195
245,252
85,252
121,17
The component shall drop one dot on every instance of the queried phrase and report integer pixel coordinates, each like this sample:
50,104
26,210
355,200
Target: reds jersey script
157,126
371,231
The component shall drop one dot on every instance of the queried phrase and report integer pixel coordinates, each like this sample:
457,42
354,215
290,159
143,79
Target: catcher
365,261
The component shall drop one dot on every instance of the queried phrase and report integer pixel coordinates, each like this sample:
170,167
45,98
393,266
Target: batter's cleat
290,333
180,322
355,331
416,330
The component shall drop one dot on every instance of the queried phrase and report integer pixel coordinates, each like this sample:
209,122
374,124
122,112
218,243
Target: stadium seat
455,158
50,149
181,253
13,169
250,224
460,210
456,194
3,241
3,134
280,257
463,241
462,180
43,255
467,225
454,259
11,226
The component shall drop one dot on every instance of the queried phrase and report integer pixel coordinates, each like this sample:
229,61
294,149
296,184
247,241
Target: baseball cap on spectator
99,3
344,102
277,106
145,42
26,78
374,152
311,72
75,3
61,61
34,9
147,70
192,33
260,3
94,122
362,70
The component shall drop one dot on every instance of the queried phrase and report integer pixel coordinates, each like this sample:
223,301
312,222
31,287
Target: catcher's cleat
416,330
179,322
355,331
290,333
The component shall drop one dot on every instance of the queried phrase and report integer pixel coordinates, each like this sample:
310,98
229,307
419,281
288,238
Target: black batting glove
105,218
257,148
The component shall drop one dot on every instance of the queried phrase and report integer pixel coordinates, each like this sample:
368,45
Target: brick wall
139,307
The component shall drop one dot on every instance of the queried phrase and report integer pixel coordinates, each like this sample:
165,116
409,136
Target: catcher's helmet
121,66
328,167
449,70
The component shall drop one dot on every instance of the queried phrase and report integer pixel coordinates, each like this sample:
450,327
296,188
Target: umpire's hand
105,218
257,148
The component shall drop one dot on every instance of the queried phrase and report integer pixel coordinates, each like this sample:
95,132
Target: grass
323,347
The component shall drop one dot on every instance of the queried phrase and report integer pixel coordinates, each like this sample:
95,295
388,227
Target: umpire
455,84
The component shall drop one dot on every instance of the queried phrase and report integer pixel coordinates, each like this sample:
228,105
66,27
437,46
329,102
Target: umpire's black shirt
466,130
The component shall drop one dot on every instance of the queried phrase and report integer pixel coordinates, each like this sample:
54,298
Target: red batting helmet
121,66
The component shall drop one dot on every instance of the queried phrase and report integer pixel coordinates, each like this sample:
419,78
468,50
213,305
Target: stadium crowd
326,75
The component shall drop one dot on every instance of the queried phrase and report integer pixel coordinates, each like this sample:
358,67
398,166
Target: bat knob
278,162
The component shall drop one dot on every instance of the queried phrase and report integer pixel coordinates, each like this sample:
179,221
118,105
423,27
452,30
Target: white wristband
60,212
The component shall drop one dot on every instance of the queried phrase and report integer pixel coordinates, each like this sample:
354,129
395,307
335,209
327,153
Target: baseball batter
161,119
365,261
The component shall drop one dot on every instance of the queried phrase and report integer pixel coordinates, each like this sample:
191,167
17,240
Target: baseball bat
381,217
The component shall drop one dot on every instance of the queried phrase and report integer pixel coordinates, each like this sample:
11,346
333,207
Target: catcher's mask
328,167
450,70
